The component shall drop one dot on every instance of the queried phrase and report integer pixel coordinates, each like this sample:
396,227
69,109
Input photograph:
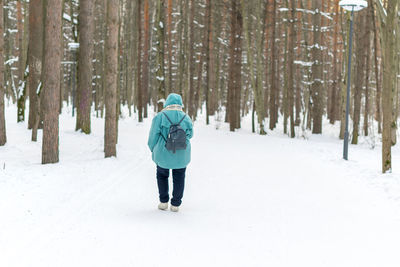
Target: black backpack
176,136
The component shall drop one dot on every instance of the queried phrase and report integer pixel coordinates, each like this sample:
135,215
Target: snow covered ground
250,201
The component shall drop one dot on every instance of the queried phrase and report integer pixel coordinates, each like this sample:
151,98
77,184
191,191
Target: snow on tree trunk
160,75
317,75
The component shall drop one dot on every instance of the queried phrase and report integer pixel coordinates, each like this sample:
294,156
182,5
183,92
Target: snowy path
250,201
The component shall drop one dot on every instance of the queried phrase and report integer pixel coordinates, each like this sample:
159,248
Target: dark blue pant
178,176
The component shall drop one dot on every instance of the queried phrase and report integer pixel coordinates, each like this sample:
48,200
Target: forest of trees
282,61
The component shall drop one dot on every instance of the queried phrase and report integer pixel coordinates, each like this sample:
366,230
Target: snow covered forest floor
250,200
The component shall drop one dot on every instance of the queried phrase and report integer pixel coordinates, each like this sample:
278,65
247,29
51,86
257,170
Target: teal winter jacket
160,126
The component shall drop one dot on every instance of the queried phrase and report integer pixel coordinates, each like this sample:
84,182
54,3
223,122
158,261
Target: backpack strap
163,137
167,118
171,121
182,119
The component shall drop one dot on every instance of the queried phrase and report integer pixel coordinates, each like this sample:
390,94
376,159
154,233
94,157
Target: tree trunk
21,86
292,36
378,113
359,73
389,75
317,89
344,82
192,60
203,50
110,132
255,78
285,102
235,66
36,66
51,81
160,76
367,68
170,89
209,61
145,78
139,61
334,104
298,73
3,137
85,66
273,116
35,53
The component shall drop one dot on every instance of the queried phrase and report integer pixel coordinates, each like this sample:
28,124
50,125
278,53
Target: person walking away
169,142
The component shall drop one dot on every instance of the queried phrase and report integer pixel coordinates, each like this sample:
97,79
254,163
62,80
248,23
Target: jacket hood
173,99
